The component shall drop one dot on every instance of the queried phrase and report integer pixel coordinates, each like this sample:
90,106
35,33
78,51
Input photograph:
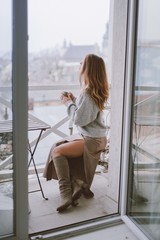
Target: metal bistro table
33,124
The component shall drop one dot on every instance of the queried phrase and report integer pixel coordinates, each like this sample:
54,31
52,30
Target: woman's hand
71,96
65,97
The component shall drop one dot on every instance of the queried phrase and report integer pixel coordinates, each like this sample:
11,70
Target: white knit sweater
85,114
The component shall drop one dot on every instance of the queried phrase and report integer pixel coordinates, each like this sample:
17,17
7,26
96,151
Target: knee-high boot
76,190
85,189
63,174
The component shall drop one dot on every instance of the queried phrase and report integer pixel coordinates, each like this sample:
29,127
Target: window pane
144,191
61,33
6,165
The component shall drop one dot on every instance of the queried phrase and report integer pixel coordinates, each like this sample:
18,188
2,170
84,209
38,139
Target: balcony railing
47,109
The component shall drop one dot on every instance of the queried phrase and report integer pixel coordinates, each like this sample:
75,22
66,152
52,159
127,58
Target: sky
50,22
149,20
5,25
76,21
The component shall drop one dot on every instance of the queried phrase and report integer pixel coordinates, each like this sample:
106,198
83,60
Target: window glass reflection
6,165
61,33
144,191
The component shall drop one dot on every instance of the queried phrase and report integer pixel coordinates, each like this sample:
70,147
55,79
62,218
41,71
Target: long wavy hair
94,77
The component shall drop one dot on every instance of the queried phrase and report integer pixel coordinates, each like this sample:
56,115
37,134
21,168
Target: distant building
105,42
71,56
75,53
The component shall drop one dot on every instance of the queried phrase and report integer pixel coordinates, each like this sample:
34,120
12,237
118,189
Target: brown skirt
80,167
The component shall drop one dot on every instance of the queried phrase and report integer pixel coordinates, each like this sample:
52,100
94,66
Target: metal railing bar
59,133
145,100
54,87
147,154
5,102
6,162
46,87
69,87
147,88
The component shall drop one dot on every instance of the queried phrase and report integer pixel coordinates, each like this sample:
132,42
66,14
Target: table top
33,124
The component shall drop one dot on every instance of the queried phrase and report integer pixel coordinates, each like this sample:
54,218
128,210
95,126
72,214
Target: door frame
20,117
129,78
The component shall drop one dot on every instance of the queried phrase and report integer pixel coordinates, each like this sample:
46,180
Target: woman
73,162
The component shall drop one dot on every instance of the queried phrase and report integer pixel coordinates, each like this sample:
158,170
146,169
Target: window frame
20,116
20,102
128,95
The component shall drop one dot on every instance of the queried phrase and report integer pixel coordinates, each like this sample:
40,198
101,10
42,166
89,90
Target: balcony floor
44,216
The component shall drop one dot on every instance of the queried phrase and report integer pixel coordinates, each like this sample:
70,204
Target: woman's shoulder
86,95
86,98
90,101
83,96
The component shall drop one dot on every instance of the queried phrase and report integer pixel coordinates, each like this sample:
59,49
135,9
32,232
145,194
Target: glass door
61,34
6,141
13,121
144,167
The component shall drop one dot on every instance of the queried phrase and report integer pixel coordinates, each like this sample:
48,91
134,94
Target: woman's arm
69,100
86,111
82,113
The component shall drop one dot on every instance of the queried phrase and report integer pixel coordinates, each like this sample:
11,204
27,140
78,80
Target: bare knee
56,152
